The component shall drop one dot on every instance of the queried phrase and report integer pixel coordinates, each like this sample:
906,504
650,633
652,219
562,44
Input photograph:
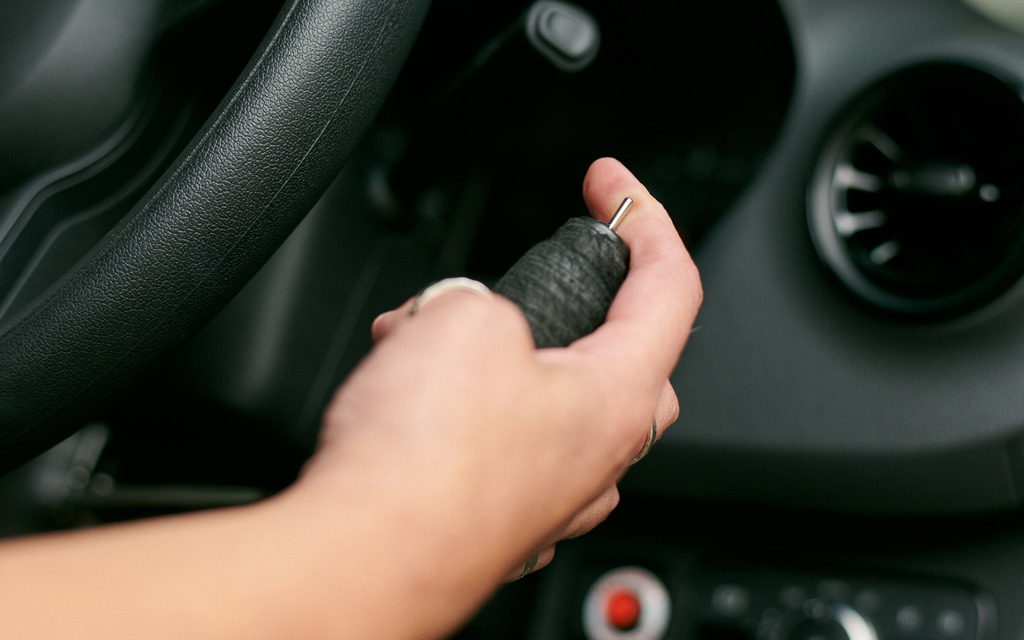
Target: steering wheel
256,167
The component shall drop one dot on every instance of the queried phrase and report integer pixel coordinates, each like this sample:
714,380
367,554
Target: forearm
286,568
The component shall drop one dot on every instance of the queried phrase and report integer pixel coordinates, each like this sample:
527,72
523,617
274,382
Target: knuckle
671,408
693,281
508,319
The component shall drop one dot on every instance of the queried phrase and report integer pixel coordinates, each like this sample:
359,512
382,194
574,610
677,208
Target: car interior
848,175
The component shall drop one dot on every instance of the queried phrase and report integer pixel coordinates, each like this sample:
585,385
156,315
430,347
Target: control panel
633,603
812,606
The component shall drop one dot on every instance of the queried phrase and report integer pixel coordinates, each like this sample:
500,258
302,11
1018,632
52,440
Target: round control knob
820,620
626,603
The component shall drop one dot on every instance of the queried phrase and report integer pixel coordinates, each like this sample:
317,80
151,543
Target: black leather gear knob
565,284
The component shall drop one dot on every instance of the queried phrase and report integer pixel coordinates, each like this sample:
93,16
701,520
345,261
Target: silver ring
443,286
528,568
651,437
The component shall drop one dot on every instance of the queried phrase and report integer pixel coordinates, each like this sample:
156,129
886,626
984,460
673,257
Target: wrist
384,558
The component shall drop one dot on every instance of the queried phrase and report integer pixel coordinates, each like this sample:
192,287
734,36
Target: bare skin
453,453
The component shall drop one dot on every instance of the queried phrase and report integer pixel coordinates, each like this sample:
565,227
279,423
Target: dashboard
849,460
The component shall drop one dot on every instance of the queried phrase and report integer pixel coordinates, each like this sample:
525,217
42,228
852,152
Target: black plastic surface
791,393
69,74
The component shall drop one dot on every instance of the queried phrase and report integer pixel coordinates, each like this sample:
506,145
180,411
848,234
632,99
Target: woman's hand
491,450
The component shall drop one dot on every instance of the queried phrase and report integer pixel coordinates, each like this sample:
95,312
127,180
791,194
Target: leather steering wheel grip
265,156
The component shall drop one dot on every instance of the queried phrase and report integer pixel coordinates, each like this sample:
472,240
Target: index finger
654,310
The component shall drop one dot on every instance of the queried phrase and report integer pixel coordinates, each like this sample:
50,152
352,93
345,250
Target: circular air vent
916,200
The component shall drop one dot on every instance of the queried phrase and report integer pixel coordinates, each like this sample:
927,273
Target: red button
622,609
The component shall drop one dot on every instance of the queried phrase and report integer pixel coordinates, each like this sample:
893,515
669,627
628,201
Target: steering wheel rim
261,161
